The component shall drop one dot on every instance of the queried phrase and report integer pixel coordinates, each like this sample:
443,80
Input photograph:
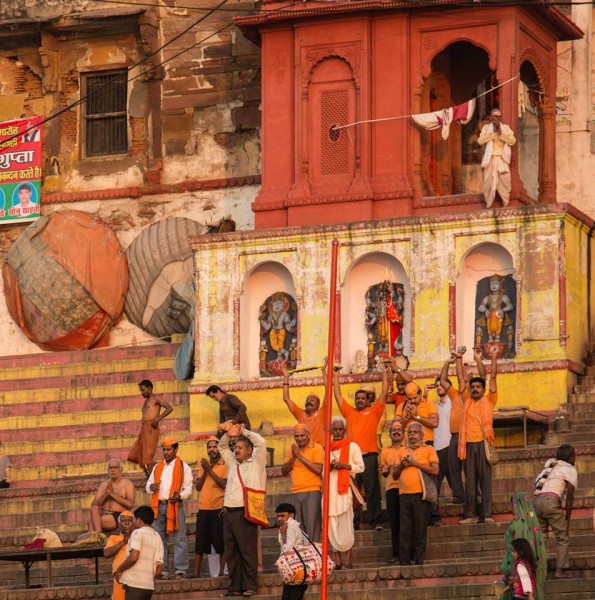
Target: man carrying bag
243,507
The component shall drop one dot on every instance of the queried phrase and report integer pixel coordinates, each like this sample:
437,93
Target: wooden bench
510,416
28,557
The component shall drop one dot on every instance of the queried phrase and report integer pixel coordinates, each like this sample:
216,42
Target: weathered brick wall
211,99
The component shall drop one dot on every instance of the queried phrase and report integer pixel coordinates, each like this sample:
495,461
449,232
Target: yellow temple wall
548,248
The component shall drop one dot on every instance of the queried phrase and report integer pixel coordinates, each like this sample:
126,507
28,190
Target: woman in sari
525,525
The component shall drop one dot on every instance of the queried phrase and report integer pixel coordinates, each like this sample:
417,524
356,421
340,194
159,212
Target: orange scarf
484,410
342,474
176,486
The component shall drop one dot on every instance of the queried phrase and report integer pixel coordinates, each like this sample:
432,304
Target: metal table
29,557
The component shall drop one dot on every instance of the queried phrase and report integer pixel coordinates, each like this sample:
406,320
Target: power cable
108,83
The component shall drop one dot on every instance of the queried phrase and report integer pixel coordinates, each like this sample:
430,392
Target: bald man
417,409
303,464
113,496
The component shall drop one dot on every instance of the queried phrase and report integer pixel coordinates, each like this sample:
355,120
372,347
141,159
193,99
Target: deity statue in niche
384,321
495,302
278,343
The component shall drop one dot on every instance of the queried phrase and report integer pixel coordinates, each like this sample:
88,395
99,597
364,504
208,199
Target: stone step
90,358
571,437
438,581
128,364
86,404
87,380
41,423
59,394
582,425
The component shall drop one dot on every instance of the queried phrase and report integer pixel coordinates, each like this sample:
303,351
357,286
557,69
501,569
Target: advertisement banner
20,170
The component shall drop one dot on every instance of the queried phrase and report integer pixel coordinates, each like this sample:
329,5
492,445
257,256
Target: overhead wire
219,8
103,88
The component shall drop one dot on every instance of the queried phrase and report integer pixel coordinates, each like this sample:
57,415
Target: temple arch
477,266
459,72
368,271
530,130
260,284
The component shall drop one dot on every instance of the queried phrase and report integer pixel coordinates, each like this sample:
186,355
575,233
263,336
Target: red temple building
331,63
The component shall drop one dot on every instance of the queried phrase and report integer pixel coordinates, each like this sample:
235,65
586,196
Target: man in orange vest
169,484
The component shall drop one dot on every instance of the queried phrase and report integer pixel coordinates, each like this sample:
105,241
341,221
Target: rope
336,127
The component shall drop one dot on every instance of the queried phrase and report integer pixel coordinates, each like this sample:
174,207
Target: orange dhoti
143,450
277,337
494,324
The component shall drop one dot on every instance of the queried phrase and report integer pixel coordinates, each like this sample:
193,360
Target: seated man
112,498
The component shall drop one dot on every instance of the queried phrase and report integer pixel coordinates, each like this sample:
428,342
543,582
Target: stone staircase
63,416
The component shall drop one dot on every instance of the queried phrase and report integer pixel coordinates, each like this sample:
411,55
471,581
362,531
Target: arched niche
459,72
477,266
530,124
261,283
368,271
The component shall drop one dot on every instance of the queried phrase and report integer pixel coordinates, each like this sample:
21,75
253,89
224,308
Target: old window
105,127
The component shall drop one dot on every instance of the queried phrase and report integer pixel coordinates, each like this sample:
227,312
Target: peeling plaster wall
127,217
575,115
432,252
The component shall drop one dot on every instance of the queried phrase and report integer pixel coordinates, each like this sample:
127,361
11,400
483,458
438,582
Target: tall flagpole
328,411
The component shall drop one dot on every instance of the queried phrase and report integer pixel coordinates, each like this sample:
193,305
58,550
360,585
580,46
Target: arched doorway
530,120
459,72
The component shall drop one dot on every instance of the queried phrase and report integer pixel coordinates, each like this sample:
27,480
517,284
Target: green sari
526,525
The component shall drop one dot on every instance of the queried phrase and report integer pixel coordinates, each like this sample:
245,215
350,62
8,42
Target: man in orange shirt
388,464
210,482
362,426
312,415
476,426
413,458
303,464
116,549
455,464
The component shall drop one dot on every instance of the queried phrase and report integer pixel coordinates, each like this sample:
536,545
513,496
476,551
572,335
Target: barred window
105,118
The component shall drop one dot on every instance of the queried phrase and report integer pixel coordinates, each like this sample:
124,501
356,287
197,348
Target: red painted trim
236,334
47,359
272,15
452,318
562,285
207,241
147,190
504,367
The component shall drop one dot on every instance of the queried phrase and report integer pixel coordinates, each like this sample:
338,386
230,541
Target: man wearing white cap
169,484
498,140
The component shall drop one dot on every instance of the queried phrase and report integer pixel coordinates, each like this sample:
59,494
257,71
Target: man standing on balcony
498,140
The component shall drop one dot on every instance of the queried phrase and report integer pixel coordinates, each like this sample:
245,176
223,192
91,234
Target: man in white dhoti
346,462
498,140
